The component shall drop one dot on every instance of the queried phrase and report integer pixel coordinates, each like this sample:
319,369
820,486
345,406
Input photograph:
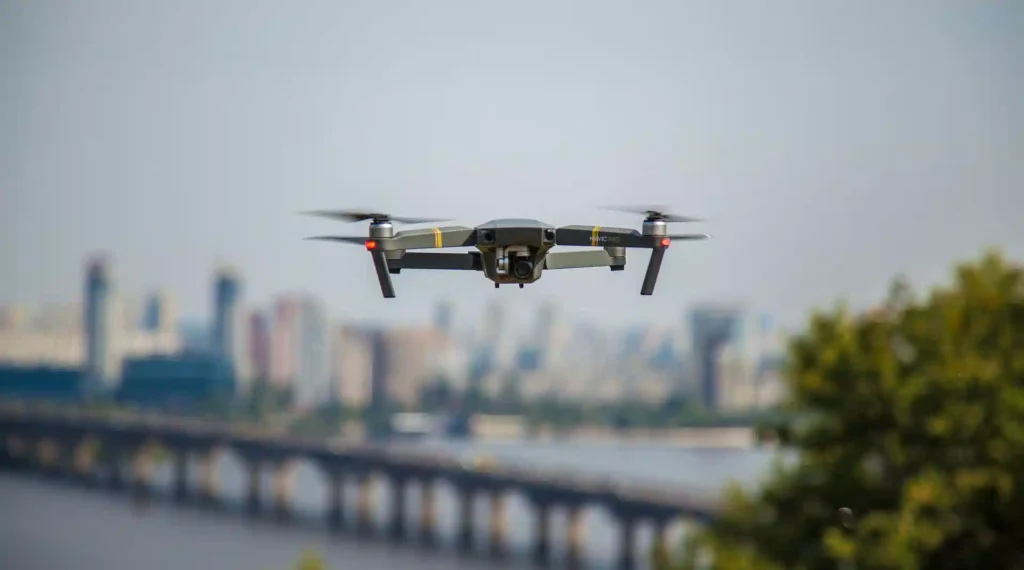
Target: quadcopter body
507,251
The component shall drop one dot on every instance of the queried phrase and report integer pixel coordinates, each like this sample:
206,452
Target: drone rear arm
578,259
469,261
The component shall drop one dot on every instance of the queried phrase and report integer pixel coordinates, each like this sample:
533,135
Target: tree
912,416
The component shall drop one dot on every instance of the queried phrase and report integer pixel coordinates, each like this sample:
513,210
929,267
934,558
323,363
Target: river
48,525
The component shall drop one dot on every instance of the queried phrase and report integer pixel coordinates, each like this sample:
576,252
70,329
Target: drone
508,251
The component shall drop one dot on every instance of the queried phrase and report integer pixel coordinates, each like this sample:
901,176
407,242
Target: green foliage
913,417
308,560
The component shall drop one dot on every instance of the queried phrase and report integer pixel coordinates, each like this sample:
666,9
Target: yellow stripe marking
595,234
437,237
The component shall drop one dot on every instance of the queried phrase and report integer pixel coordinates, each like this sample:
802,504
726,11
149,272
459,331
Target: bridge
123,447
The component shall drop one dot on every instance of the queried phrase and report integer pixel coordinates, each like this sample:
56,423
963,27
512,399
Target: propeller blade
343,239
362,215
684,237
672,218
642,210
655,213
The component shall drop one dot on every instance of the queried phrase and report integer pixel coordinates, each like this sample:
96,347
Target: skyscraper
299,356
259,347
380,358
712,328
284,342
158,313
97,321
227,289
443,314
313,383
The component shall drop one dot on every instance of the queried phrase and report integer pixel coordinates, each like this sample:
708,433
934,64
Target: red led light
665,242
371,245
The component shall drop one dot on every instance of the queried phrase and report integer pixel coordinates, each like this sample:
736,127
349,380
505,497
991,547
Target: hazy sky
832,144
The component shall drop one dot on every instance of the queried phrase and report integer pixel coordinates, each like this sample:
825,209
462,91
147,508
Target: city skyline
832,147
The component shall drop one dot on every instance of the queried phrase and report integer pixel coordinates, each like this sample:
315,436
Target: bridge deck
559,485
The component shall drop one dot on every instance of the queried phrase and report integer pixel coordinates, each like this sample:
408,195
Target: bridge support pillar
574,536
17,450
181,474
209,482
114,464
466,500
365,505
627,542
398,505
336,499
83,459
67,460
255,486
659,548
283,474
47,456
497,526
142,469
542,533
428,511
6,457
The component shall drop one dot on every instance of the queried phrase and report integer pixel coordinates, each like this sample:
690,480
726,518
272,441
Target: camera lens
522,269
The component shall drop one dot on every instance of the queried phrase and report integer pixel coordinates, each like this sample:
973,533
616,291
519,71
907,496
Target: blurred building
712,328
178,381
12,317
444,315
736,383
230,335
42,382
299,357
259,345
94,335
351,366
159,312
404,360
98,293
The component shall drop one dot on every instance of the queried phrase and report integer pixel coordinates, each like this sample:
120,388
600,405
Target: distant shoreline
705,438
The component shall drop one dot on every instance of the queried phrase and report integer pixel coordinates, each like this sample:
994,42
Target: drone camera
523,269
487,236
549,235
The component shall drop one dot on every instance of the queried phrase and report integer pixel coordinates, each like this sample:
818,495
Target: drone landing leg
653,267
383,275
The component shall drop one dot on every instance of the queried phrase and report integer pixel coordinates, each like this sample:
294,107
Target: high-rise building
12,317
158,313
712,327
259,345
380,359
227,291
283,342
443,317
98,285
299,356
351,366
313,384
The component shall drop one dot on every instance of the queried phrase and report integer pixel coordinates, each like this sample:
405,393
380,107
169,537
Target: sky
831,145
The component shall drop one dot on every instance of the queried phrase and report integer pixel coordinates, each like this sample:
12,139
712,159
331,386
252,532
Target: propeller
654,213
362,215
354,240
685,237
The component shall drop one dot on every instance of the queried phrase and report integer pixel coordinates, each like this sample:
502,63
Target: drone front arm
601,236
